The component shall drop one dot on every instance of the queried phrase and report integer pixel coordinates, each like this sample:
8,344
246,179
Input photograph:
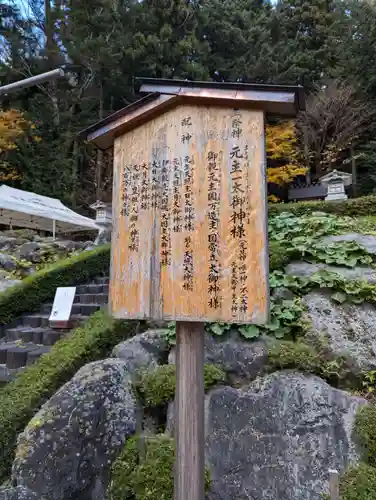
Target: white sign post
62,307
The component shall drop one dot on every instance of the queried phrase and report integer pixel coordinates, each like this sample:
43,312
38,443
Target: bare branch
334,120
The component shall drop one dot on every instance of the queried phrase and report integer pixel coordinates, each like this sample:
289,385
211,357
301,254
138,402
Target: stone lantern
335,182
103,219
103,214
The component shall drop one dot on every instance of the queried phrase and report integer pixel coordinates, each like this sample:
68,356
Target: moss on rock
354,207
289,355
359,483
144,470
21,398
365,429
294,355
157,386
279,256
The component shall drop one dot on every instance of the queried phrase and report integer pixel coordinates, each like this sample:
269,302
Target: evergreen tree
238,35
112,41
303,40
166,43
356,44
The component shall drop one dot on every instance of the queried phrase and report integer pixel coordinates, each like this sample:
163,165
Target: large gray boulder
67,448
18,493
7,263
277,438
7,242
349,330
69,246
235,355
368,242
29,251
143,351
305,270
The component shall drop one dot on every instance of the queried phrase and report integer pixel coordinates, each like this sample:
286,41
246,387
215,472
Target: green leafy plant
369,382
342,290
250,331
315,224
278,279
293,237
217,328
170,333
285,320
342,253
299,238
286,315
21,398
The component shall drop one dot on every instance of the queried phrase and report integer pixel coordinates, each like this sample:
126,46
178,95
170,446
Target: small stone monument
103,219
335,182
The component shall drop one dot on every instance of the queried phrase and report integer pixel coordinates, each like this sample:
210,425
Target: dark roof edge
298,90
220,85
83,134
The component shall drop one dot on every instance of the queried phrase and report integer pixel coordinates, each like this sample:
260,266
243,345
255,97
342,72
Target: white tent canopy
25,209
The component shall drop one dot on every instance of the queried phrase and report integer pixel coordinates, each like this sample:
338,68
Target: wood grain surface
190,238
189,412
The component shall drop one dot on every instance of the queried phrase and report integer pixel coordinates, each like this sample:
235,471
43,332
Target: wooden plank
189,405
334,484
190,218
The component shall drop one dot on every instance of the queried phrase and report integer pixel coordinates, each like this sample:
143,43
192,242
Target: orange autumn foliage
13,126
282,150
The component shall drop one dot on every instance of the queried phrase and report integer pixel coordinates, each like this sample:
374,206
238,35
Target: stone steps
78,309
15,355
92,288
45,336
43,320
30,336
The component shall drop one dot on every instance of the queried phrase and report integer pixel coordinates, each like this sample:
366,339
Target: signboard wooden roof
189,201
282,100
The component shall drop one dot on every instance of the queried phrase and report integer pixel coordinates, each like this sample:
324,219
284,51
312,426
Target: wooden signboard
190,237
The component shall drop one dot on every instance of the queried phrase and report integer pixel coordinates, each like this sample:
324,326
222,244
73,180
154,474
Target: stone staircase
29,337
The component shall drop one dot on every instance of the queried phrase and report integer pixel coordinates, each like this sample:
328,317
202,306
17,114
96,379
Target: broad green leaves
300,238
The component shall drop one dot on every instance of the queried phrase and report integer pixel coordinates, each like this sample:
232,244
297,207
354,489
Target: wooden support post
354,173
334,484
189,404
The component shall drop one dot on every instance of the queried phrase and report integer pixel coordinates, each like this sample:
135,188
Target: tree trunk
306,158
354,173
49,45
100,156
74,174
48,31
